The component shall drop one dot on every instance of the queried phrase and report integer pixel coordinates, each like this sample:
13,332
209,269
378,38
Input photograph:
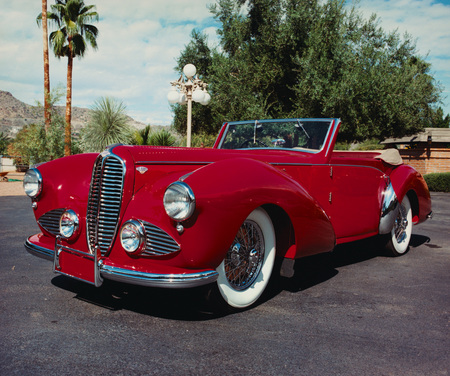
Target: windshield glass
297,134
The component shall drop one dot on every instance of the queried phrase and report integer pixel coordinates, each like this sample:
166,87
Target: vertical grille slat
105,198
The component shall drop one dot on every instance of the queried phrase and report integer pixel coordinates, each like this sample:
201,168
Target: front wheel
246,269
400,235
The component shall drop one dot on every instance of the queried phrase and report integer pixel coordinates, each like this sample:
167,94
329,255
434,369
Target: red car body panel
315,200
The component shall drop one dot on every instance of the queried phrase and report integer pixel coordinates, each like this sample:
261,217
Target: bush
438,182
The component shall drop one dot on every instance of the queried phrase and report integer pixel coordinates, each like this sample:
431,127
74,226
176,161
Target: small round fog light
68,224
132,236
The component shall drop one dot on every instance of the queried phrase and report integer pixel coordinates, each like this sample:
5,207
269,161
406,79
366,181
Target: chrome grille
50,221
158,242
105,198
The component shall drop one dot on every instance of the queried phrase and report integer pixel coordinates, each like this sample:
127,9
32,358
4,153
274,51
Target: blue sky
140,40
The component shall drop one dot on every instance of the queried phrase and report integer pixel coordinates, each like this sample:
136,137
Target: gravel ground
12,188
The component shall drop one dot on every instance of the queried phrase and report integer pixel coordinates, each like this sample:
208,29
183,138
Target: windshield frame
330,121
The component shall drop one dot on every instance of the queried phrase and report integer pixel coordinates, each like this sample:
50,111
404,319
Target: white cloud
427,21
139,41
138,44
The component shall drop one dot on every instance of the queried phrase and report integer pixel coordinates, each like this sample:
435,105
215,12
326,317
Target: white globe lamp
198,96
189,70
173,96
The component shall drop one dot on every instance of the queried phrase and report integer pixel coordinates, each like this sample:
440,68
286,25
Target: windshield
302,134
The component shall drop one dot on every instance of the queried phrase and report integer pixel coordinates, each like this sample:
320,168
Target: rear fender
407,181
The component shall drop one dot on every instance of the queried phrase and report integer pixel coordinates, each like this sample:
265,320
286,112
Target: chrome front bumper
182,280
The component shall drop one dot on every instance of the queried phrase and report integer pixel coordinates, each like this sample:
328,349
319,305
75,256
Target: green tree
108,125
74,32
4,141
438,120
198,53
34,143
290,58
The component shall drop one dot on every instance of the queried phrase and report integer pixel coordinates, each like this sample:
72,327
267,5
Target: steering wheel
247,142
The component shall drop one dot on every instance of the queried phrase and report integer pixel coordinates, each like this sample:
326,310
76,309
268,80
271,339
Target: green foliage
438,182
74,32
200,140
342,145
33,144
289,59
162,138
4,141
370,144
108,125
159,138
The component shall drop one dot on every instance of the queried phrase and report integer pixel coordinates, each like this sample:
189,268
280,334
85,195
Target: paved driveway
352,312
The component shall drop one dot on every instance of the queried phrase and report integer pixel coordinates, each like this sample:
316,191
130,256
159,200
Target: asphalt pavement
350,312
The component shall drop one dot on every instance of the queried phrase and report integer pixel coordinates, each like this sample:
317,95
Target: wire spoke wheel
244,259
401,232
247,266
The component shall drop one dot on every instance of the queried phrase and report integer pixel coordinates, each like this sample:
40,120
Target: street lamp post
186,90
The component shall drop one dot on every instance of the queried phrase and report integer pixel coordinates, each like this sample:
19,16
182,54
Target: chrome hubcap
401,224
245,257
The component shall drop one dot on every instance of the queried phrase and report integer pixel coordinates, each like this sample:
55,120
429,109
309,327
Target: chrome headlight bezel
69,224
179,201
132,236
32,183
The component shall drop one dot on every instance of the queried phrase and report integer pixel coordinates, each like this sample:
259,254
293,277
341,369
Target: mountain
15,114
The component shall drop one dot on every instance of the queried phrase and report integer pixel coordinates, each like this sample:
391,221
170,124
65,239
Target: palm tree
74,32
108,125
42,18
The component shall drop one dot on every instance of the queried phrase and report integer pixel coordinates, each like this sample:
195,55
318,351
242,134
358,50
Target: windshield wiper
300,125
257,125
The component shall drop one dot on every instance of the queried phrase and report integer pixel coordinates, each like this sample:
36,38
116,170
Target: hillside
15,114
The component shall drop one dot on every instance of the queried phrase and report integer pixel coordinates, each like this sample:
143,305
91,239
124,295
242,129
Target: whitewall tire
400,235
248,264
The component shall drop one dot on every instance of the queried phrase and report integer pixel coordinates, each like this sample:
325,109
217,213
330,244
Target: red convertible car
179,217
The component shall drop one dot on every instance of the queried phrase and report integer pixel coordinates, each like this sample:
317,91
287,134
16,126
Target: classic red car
185,217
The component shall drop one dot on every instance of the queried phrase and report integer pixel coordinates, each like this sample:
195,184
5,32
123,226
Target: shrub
200,140
438,182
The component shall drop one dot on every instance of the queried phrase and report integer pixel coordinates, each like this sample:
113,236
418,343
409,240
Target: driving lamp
179,201
32,183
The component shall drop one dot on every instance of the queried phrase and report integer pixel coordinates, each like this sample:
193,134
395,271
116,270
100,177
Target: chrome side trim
389,210
157,280
35,250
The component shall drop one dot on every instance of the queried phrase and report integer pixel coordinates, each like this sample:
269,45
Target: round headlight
68,223
179,201
132,236
32,183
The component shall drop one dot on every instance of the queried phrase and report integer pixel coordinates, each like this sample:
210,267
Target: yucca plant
159,138
108,125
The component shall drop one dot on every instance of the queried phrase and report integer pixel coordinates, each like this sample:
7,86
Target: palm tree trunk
68,128
47,114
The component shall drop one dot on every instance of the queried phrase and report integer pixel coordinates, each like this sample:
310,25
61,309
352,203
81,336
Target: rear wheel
246,269
400,235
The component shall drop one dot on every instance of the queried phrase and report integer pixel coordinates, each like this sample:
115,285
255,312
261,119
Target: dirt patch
12,187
